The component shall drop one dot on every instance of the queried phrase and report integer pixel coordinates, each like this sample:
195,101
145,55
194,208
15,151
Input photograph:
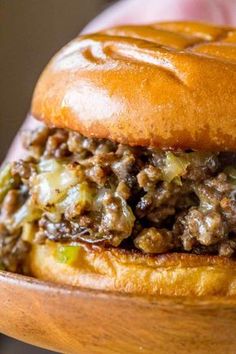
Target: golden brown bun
169,85
122,271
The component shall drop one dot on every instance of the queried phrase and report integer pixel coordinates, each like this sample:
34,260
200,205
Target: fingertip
142,11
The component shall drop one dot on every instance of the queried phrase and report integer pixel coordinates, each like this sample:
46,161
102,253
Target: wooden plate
70,320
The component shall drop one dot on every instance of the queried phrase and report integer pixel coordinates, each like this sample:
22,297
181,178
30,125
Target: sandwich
129,183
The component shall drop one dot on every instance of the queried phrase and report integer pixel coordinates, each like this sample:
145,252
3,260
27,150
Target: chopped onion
176,166
67,254
128,214
27,213
49,165
51,187
121,220
78,198
6,181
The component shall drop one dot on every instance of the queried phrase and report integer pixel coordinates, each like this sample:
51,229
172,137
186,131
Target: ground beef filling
76,189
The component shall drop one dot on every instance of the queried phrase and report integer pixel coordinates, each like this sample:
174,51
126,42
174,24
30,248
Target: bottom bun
124,271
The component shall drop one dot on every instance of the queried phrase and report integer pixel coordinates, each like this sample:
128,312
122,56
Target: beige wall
31,31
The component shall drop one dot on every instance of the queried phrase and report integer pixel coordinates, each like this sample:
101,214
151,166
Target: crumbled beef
130,197
159,214
161,200
228,209
123,190
13,251
11,203
227,248
66,231
35,140
202,166
96,174
154,240
115,220
123,166
36,137
24,168
61,231
148,177
84,147
56,144
202,227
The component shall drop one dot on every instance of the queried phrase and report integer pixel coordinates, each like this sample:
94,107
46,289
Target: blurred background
31,31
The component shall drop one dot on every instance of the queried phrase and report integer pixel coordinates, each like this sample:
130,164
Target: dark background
31,31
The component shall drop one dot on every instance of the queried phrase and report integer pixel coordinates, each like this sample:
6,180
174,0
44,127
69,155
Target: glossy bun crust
122,271
169,85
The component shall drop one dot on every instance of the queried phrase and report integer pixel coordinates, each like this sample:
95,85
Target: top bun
167,85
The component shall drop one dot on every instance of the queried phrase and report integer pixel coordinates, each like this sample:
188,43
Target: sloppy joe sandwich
129,184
